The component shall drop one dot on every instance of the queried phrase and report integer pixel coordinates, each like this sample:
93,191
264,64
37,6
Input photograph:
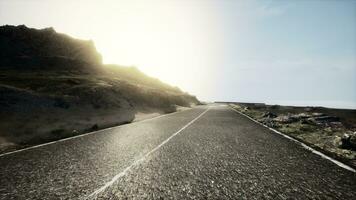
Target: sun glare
168,40
174,41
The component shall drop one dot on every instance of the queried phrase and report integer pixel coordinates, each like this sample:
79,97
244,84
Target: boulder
348,141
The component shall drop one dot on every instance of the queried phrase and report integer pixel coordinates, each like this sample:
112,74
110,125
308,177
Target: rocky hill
54,86
21,43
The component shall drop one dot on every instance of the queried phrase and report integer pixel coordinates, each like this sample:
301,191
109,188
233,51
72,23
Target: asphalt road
208,152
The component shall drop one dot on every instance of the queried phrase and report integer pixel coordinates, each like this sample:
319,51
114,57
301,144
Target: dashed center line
122,173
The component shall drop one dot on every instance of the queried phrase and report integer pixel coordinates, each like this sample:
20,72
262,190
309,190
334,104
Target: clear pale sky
280,52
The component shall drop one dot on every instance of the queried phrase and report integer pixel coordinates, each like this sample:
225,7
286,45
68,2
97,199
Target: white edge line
122,173
89,133
340,164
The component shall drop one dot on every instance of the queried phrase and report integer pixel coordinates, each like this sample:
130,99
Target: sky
277,52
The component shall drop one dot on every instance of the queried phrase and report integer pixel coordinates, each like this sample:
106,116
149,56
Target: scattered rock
268,122
269,115
285,119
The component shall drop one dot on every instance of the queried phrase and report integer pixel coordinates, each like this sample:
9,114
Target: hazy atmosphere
177,99
285,52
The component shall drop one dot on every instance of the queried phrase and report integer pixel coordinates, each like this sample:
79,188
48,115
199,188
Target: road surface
208,152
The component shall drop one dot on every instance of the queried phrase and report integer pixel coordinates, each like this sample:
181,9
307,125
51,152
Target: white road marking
340,164
122,173
85,134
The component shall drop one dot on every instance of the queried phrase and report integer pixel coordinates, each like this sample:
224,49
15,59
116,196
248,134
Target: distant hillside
54,86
